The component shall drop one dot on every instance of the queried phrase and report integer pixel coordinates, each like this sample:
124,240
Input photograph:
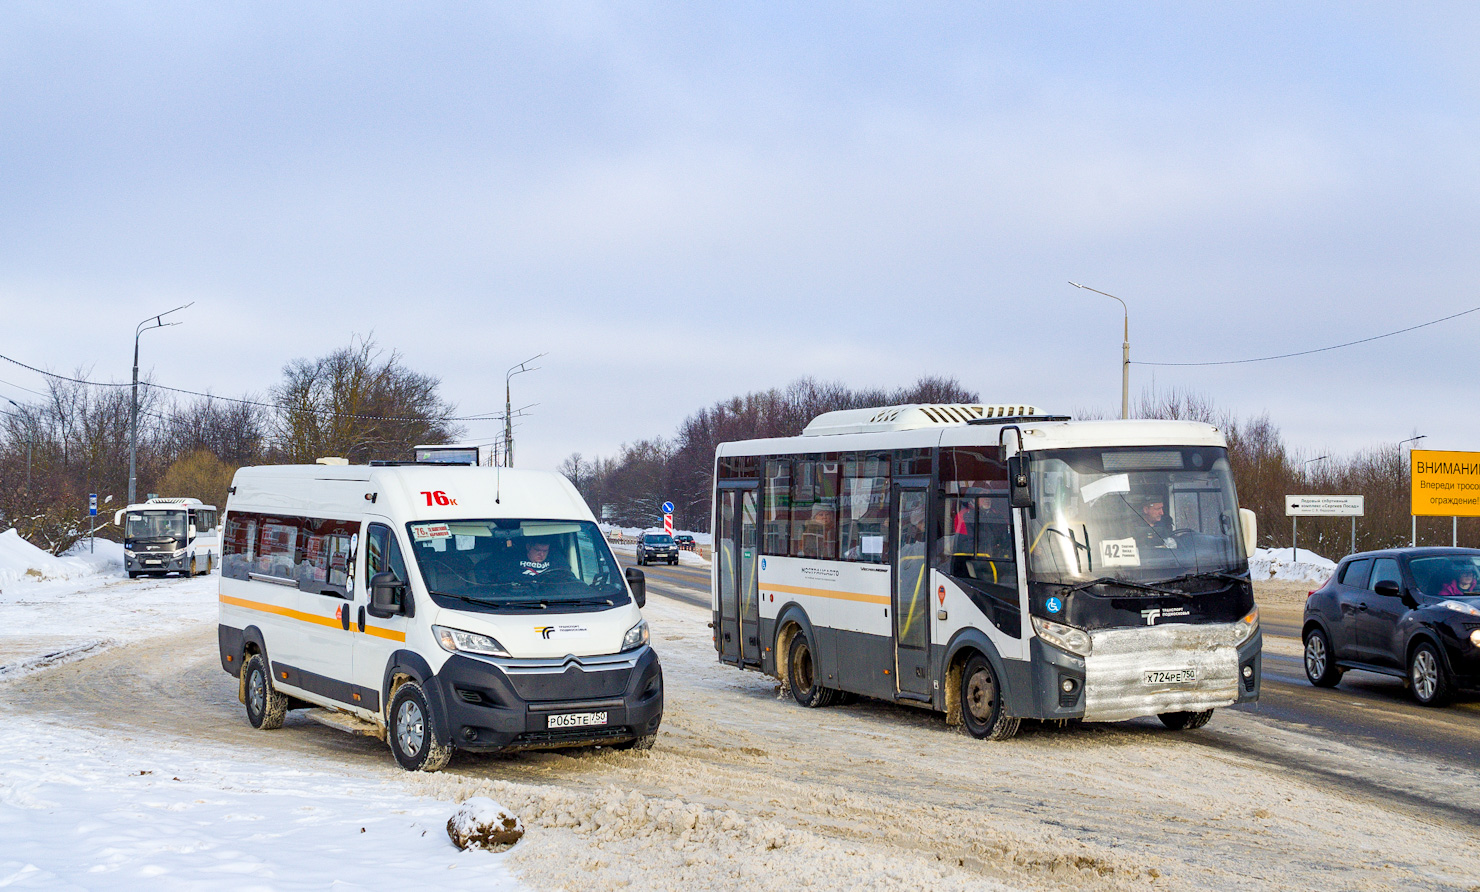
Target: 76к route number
438,497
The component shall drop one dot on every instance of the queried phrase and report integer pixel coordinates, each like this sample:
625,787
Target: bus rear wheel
982,712
802,675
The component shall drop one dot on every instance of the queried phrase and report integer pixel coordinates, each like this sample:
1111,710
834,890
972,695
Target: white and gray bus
169,535
989,562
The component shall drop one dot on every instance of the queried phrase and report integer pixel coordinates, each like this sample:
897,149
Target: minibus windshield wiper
464,598
1123,583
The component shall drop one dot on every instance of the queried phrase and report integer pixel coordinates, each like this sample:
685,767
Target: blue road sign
92,504
667,507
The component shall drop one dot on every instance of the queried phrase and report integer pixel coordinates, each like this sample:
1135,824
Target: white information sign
1324,506
1119,553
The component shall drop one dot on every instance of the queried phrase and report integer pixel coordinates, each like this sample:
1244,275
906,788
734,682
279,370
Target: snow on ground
21,561
1283,563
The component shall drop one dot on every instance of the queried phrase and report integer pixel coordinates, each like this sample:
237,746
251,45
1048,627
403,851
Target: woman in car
1466,584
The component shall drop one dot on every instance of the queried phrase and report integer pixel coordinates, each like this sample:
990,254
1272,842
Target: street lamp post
519,369
1413,518
1125,353
30,439
133,422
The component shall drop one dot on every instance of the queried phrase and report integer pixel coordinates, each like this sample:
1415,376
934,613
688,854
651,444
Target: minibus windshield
154,525
1154,514
517,563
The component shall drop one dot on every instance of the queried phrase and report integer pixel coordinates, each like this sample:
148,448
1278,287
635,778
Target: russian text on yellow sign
1445,484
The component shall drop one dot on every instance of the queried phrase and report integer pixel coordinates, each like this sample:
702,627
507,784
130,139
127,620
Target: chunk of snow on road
482,823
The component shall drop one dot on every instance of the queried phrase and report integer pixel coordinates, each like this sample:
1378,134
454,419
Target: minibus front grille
564,736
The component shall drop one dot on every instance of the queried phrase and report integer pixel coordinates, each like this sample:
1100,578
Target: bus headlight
636,636
1065,638
458,641
1245,628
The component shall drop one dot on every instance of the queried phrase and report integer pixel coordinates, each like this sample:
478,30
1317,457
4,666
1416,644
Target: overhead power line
487,416
1318,349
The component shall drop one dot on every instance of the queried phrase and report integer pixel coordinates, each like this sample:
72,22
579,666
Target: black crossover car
656,547
1413,613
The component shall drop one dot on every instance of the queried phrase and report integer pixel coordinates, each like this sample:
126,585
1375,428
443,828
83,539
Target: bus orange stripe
314,618
826,593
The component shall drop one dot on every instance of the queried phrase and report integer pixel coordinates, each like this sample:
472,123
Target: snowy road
749,791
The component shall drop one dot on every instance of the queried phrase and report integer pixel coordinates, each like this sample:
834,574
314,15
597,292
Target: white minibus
990,562
169,535
435,606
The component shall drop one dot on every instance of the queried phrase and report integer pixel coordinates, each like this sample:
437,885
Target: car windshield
659,540
154,524
1140,514
1448,576
506,562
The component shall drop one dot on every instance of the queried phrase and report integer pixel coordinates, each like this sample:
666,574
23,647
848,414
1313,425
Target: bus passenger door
736,549
911,594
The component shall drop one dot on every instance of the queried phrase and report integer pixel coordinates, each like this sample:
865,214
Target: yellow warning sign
1445,484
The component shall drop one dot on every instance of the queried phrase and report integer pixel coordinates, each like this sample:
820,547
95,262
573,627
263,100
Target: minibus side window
385,554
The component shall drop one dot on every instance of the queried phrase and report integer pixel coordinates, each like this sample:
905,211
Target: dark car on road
684,542
656,547
1412,613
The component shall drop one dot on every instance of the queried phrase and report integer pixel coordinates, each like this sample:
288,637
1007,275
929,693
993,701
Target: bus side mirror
1020,496
387,594
1249,525
637,581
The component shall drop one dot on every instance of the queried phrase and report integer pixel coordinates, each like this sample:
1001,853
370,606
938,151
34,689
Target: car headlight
636,636
1245,628
1459,607
1065,638
1475,637
458,641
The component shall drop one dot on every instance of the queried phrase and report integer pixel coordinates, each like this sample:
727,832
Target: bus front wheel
802,675
982,712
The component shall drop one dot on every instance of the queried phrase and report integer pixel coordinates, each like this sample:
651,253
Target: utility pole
1125,353
519,369
133,422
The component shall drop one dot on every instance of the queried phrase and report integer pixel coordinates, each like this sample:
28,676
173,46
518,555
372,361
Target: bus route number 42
438,497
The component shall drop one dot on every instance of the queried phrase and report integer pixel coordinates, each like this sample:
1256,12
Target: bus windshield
1142,514
517,563
154,525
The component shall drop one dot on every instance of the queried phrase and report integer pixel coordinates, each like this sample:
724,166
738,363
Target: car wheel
674,562
983,714
802,675
1185,721
645,742
413,732
1320,665
133,574
1426,676
266,706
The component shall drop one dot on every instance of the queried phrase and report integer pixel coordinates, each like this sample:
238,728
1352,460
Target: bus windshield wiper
1123,583
1206,574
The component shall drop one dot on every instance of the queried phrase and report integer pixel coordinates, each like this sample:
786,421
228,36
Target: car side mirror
387,594
1019,495
637,581
1386,588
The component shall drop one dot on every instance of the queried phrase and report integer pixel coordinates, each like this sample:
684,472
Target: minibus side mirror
1020,496
637,581
387,594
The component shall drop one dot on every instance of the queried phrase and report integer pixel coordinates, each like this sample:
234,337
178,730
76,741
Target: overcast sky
680,203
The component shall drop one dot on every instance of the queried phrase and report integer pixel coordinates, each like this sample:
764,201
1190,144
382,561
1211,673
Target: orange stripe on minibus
827,593
388,634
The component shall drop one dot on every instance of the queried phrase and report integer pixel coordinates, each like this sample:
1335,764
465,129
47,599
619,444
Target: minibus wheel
645,742
266,707
413,732
1185,721
982,712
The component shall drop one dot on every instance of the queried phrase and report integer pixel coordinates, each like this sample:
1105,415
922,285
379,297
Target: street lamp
1413,518
519,369
30,439
1125,353
133,423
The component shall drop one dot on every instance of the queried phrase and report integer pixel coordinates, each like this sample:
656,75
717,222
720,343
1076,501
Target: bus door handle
362,619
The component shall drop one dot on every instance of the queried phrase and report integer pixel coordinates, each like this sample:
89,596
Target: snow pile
482,823
1281,563
21,561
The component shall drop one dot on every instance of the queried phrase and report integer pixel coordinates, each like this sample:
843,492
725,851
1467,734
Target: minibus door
736,556
911,595
378,638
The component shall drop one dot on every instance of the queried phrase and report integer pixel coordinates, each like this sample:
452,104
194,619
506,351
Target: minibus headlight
636,636
1065,638
1245,628
458,641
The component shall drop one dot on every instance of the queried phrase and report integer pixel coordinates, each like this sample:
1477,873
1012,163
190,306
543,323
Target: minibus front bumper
504,704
